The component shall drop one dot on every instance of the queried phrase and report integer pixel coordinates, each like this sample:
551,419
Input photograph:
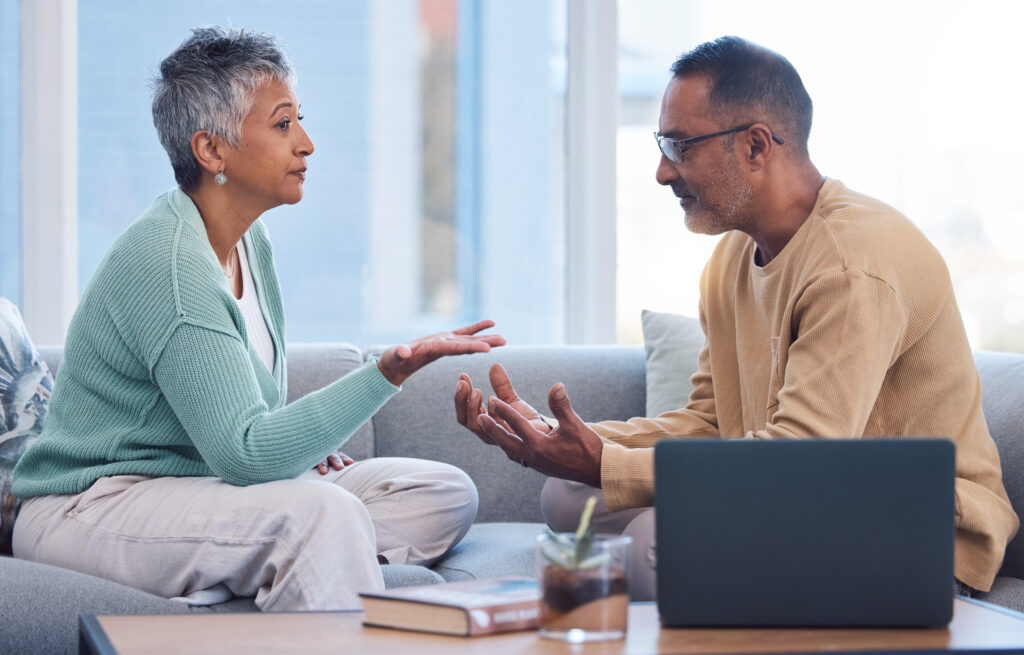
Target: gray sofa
39,605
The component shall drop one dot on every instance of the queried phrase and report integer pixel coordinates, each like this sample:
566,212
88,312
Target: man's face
709,183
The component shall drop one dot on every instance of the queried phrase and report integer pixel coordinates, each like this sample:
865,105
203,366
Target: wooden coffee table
976,627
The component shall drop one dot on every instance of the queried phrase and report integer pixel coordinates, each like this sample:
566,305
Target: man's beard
718,215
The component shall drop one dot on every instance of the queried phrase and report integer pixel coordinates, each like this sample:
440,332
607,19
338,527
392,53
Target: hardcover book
468,608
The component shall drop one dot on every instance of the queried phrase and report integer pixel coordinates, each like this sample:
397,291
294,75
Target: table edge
92,638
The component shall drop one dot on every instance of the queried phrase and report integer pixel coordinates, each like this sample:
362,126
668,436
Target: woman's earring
220,178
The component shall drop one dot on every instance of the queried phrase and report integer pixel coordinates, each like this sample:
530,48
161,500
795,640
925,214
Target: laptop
801,533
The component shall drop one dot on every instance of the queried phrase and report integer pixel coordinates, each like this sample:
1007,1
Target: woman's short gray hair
208,83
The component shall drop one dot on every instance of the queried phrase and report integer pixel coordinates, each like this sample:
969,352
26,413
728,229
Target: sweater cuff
627,476
373,360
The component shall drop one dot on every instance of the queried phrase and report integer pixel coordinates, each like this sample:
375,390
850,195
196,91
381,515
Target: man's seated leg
562,503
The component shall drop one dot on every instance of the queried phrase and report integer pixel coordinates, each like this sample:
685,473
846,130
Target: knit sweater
851,331
159,379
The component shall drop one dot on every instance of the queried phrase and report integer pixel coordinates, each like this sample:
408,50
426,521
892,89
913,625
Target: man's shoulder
870,235
854,214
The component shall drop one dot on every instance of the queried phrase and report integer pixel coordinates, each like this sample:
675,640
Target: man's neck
787,205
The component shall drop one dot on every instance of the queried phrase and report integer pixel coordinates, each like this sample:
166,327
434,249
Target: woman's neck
226,219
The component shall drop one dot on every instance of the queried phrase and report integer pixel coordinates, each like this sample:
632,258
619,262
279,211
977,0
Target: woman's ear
205,150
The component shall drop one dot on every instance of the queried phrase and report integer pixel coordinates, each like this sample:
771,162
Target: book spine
503,618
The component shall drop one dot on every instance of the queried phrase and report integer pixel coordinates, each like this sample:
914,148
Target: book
467,608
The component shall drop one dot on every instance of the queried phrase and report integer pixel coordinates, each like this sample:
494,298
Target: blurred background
438,191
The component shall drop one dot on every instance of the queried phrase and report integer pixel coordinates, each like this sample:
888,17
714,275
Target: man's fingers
519,425
560,406
513,446
502,385
461,399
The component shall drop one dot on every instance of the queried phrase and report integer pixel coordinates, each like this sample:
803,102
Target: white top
255,323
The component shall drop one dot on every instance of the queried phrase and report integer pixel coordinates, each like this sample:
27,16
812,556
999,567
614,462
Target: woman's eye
284,124
300,117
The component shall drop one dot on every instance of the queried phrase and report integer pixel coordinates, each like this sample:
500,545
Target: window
435,195
914,107
10,151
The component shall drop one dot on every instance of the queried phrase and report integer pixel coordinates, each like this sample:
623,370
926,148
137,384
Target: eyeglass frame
686,144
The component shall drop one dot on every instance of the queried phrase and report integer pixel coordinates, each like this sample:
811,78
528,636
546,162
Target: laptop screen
820,532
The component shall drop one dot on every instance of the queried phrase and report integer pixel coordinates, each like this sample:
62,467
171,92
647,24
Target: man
826,314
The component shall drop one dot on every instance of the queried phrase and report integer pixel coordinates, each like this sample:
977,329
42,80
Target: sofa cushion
1007,592
671,345
40,605
491,550
25,386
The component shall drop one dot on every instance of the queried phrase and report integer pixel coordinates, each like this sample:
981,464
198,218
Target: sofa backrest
1002,400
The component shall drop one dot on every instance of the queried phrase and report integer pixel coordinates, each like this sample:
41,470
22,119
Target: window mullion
591,124
49,166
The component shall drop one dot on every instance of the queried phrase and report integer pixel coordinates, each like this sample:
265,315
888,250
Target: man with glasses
826,314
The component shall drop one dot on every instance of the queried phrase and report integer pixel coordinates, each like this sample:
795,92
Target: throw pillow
671,343
25,386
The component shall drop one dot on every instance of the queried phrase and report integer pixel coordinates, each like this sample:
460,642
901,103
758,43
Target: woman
168,460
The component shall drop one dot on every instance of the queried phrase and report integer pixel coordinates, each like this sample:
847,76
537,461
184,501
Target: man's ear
760,146
205,149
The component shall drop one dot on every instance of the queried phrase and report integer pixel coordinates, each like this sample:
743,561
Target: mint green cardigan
158,377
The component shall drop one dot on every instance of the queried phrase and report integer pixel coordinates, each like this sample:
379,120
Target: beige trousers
305,544
562,503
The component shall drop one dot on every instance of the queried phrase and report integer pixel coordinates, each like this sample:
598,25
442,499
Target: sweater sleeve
207,378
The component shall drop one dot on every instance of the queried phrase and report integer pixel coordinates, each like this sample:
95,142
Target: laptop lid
821,532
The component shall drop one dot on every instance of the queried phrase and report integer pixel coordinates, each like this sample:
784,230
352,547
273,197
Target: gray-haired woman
168,460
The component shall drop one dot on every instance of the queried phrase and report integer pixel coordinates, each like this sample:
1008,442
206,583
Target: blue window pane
434,195
10,150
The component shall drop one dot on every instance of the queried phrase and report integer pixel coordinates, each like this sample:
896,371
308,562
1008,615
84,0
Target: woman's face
269,166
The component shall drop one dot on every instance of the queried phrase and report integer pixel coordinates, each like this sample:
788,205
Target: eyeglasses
674,149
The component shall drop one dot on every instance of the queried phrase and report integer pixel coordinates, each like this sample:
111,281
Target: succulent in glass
574,553
584,582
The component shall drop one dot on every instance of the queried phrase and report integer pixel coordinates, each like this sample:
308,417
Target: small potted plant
584,582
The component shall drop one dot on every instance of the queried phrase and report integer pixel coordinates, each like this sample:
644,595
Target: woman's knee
461,493
303,507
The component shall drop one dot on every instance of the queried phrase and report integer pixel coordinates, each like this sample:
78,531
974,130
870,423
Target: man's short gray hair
209,83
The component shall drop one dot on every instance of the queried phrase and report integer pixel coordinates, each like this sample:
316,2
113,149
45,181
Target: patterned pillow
25,386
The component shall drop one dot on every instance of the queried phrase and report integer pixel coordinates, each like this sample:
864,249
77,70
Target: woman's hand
336,461
397,363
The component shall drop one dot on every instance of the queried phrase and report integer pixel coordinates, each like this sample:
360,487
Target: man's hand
572,451
399,362
336,461
469,403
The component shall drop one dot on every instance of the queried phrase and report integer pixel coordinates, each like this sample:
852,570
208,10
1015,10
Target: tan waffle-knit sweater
852,330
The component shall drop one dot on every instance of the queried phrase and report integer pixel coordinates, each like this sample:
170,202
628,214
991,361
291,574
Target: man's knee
643,560
562,501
